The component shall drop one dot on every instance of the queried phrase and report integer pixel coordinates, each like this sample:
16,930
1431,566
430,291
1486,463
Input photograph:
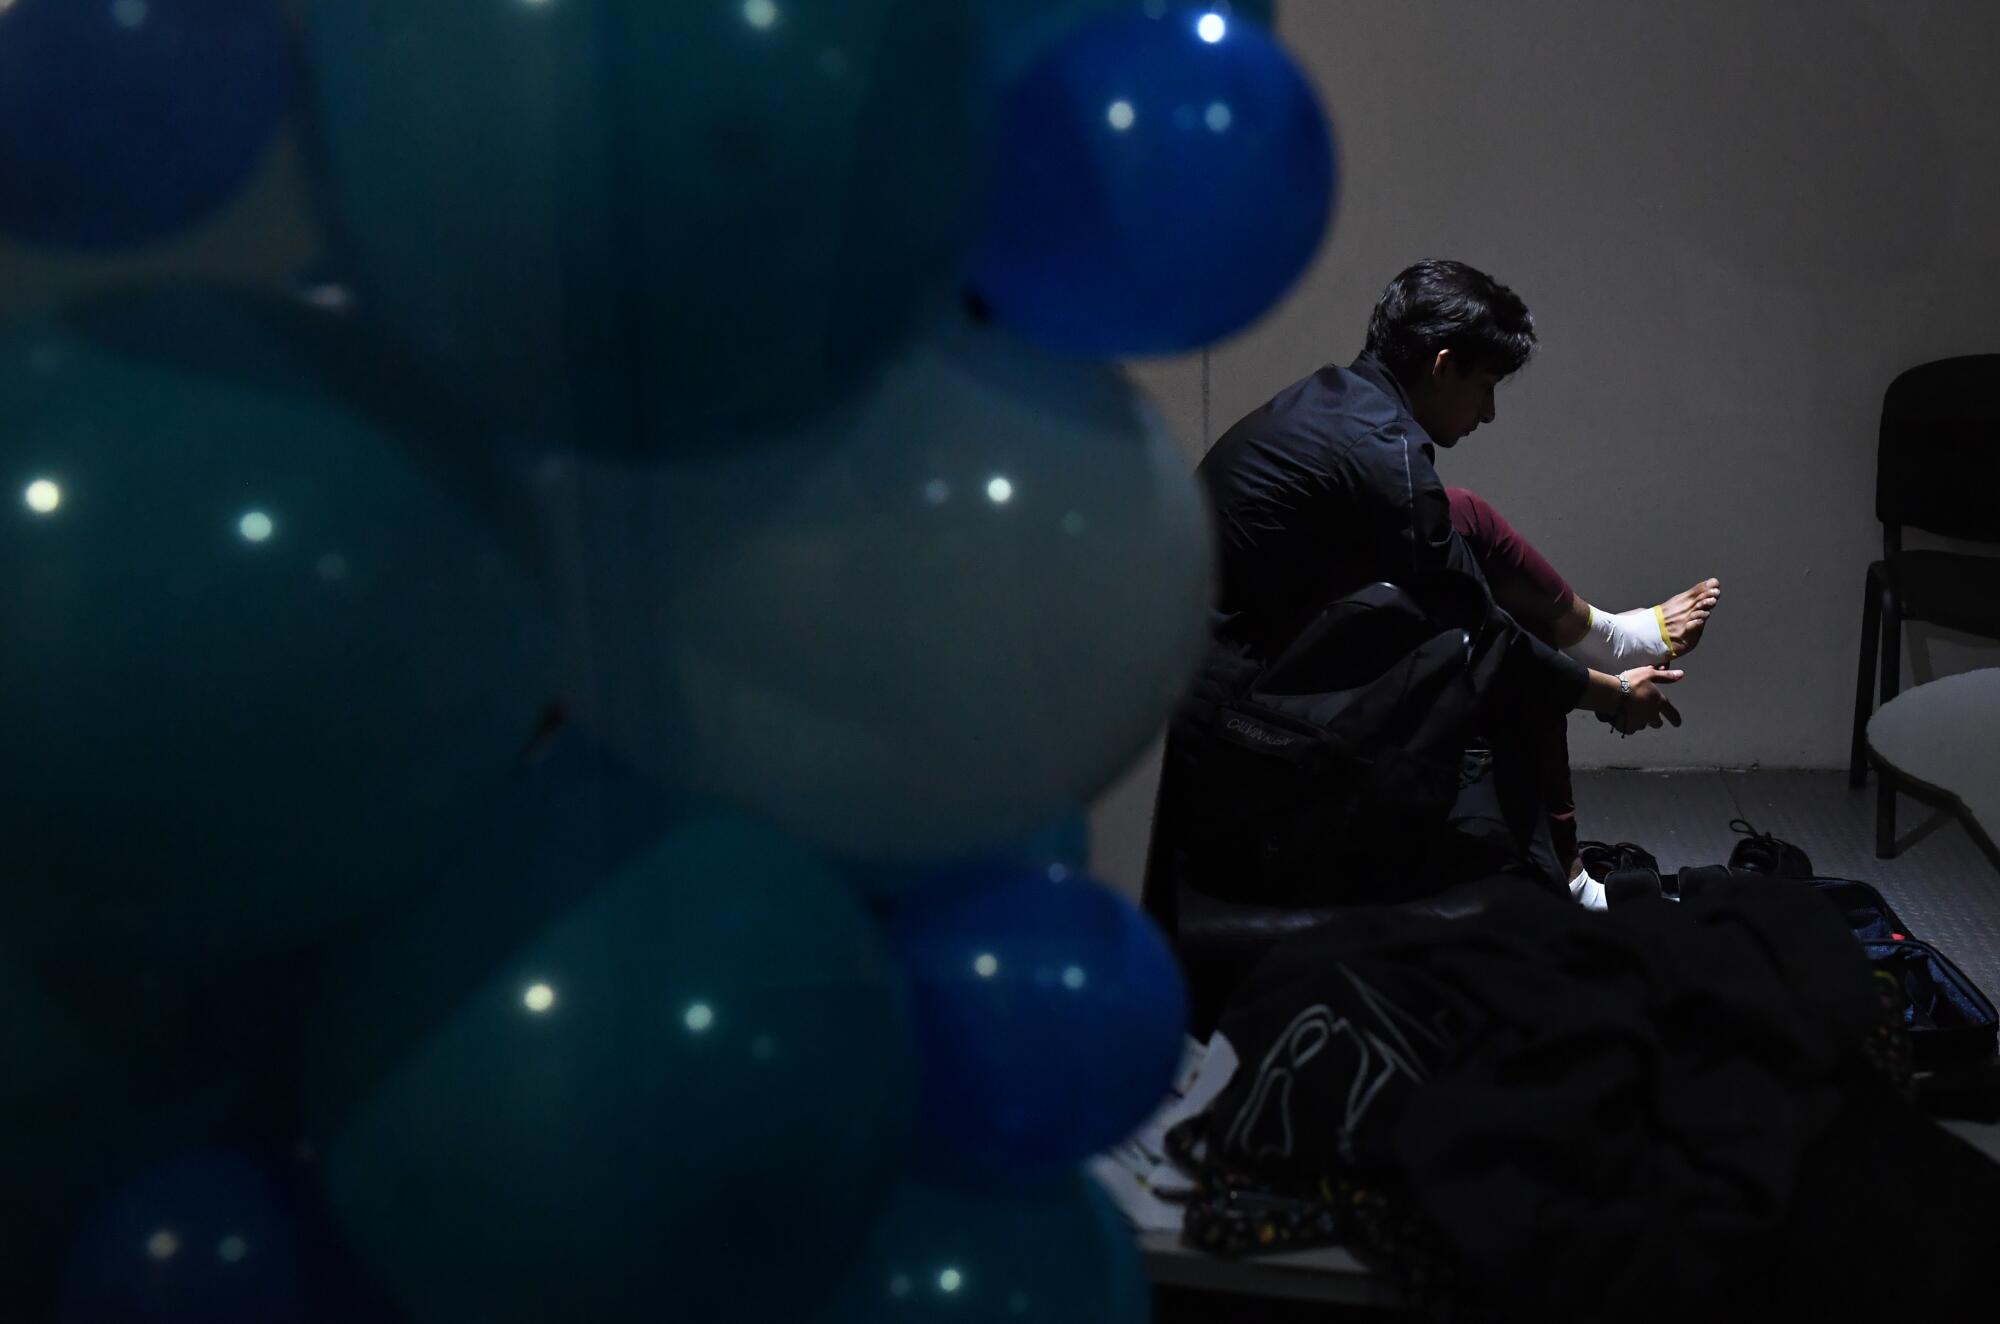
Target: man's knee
1471,515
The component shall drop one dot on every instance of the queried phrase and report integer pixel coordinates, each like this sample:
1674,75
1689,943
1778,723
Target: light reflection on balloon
1018,31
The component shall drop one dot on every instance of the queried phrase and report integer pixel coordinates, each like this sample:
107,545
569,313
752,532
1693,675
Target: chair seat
1953,589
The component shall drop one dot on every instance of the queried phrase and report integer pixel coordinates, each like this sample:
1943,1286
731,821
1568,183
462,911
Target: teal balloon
261,663
643,224
922,628
1052,1253
686,1098
568,819
1019,32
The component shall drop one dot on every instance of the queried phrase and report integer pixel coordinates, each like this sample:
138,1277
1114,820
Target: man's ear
1445,358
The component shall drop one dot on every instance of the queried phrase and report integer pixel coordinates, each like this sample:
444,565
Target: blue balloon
123,121
1054,1252
75,1119
104,1070
1050,1017
919,629
200,1239
687,1095
641,225
266,665
1057,851
1162,181
1018,32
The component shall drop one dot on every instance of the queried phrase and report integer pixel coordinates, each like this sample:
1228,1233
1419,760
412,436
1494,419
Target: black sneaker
1760,852
1604,858
1636,883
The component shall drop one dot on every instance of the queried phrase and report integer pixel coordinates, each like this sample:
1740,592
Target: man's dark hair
1439,304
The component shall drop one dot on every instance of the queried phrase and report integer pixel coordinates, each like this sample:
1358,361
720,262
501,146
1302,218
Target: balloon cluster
543,772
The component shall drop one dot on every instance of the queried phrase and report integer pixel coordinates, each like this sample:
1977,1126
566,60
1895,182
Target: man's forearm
1601,694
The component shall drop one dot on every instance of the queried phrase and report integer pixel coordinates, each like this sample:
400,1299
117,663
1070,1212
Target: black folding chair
1937,468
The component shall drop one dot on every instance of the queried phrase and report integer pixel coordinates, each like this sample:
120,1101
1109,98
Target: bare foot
1687,614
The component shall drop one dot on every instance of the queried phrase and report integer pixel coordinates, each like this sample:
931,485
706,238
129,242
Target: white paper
1135,1170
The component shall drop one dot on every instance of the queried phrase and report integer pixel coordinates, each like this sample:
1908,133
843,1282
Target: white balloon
923,625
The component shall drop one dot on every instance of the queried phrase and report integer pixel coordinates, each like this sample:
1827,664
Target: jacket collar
1376,373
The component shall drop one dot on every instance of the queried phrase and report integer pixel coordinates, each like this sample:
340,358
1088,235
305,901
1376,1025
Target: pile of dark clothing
1690,1110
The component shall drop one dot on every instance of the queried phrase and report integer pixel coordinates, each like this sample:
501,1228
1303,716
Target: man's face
1451,403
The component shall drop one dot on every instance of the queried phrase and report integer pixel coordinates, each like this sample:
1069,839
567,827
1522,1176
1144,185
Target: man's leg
1522,581
1528,588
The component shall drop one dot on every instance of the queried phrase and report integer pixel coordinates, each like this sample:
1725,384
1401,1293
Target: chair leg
1892,645
1892,659
1885,814
1864,682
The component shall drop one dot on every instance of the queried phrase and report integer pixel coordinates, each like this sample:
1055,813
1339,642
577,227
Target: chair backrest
1937,466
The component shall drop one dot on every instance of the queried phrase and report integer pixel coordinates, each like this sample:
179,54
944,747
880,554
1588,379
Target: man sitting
1330,486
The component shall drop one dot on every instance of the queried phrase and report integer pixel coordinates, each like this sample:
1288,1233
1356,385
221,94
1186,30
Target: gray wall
1735,221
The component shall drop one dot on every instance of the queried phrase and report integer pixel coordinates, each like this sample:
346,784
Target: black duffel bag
1951,1023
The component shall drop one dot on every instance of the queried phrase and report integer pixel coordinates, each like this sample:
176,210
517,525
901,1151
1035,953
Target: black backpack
1313,778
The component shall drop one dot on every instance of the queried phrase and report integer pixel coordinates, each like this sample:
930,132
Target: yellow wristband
1665,638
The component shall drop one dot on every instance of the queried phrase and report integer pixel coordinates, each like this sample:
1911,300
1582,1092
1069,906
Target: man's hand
1647,705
